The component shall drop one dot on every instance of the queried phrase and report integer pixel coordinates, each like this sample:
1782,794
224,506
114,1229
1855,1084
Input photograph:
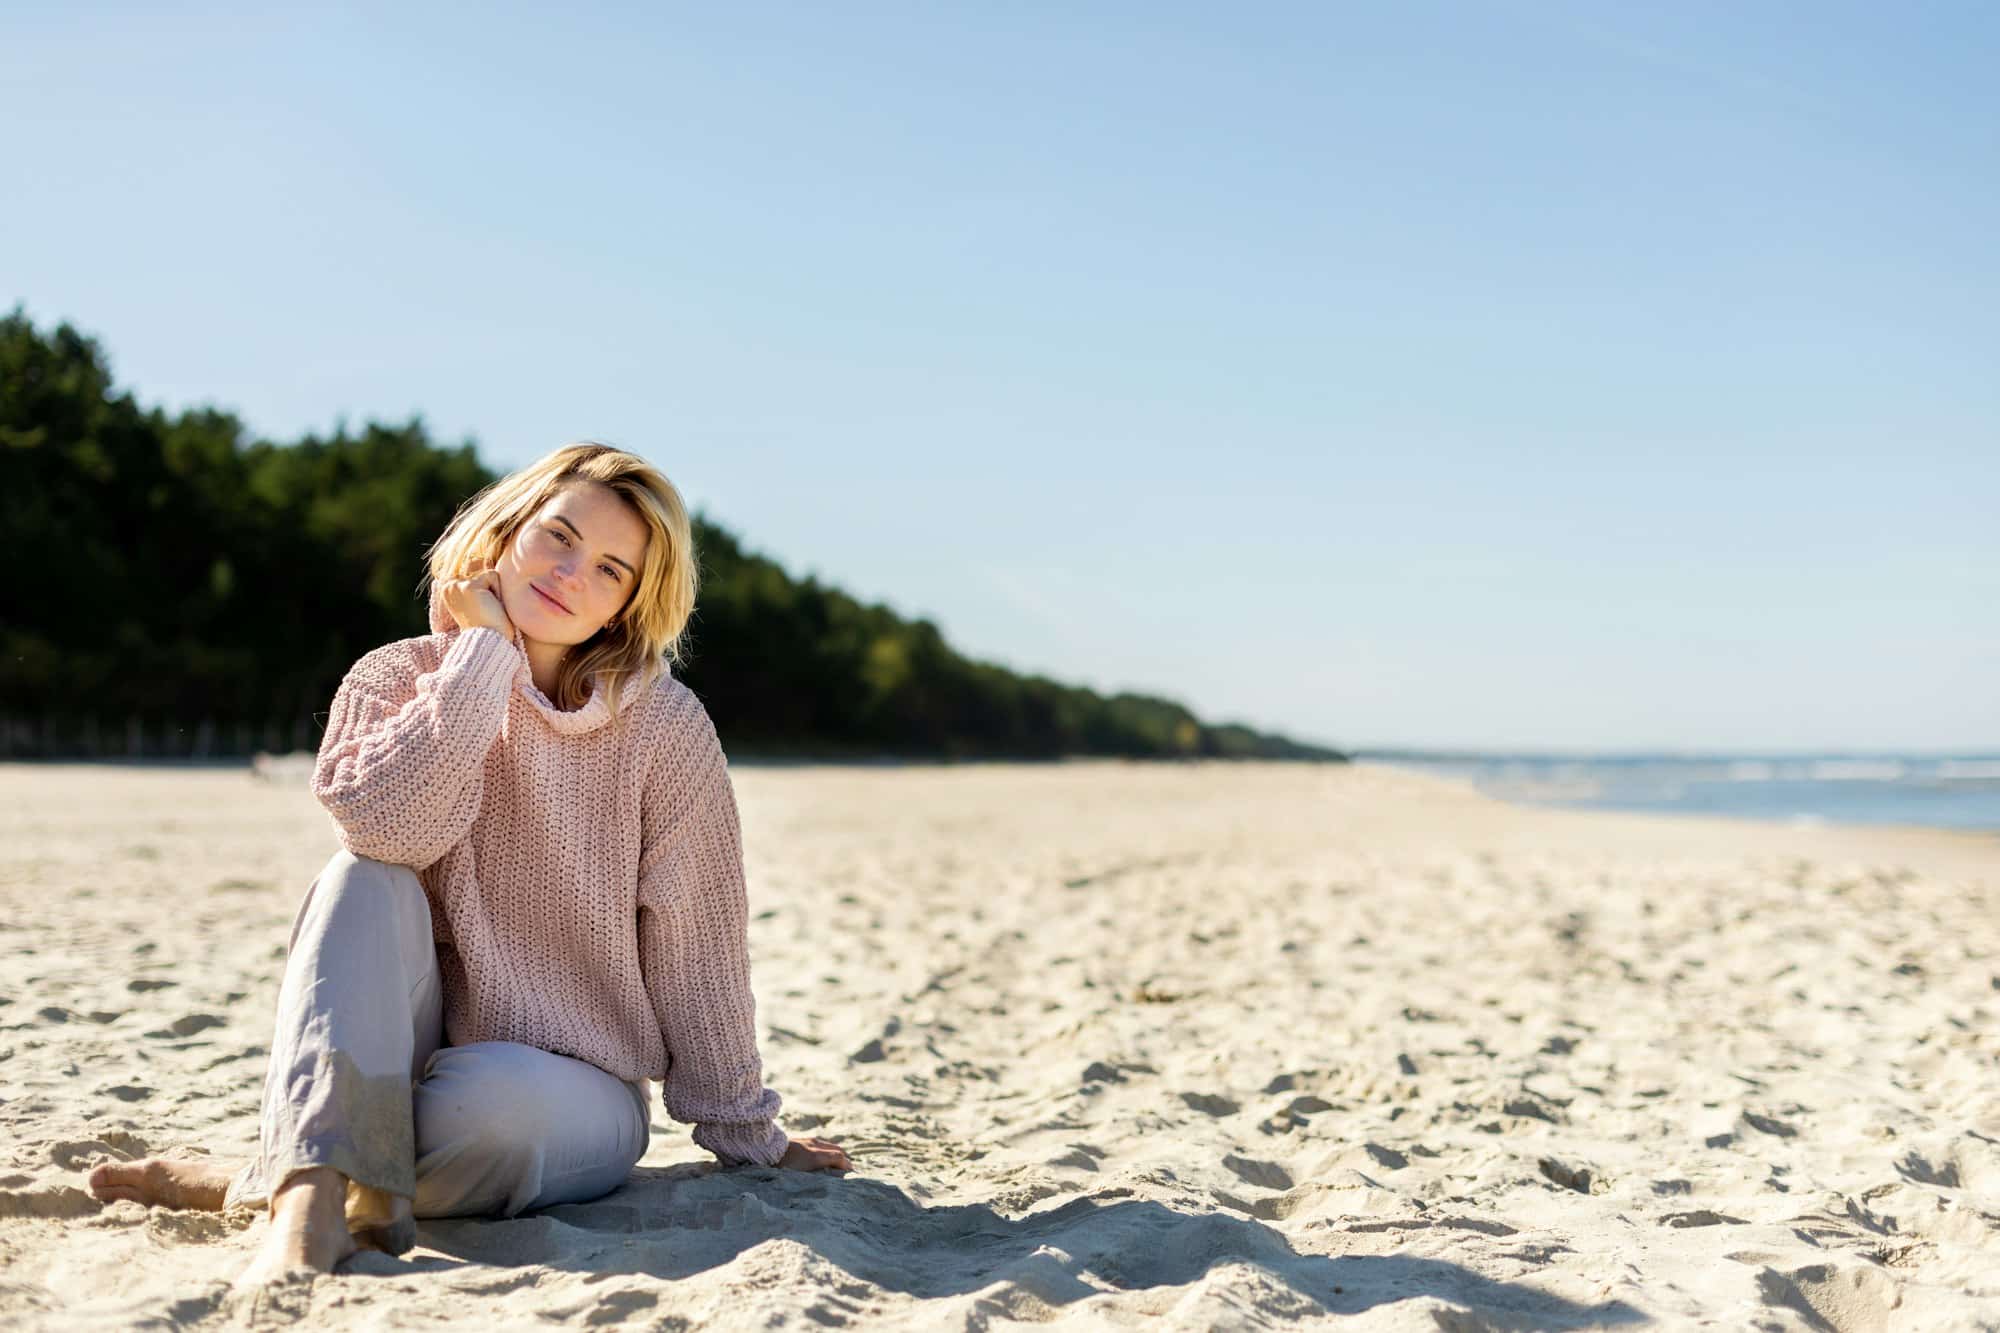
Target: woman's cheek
513,589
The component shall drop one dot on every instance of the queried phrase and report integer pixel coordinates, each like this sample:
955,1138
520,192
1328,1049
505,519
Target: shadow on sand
670,1223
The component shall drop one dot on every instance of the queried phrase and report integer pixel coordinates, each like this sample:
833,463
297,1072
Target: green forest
178,588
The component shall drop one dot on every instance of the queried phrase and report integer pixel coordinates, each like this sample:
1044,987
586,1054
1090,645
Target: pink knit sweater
585,872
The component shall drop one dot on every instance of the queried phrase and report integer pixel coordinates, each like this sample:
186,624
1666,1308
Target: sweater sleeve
400,766
694,948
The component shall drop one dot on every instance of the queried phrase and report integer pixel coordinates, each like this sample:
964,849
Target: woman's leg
359,1014
358,1085
502,1128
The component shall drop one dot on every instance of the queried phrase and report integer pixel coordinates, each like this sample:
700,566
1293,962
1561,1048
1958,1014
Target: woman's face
573,565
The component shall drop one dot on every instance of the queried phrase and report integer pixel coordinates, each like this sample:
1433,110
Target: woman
539,902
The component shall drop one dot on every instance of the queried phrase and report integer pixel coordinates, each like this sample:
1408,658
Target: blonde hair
648,636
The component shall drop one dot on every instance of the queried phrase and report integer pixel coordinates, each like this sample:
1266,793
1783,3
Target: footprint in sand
247,1053
1264,1175
1769,1125
1701,1217
1570,1175
1083,1156
1533,1106
188,1025
1291,1082
1384,1156
618,1306
875,1049
1210,1104
1099,1074
1916,1167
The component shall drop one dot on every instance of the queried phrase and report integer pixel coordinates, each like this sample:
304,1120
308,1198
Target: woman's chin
557,635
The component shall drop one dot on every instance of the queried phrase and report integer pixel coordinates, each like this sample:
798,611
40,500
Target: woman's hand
475,602
815,1155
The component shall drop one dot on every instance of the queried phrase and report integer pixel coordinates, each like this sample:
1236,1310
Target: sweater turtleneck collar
595,711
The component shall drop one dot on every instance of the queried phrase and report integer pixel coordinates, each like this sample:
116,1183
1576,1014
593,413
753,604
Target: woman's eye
557,534
609,570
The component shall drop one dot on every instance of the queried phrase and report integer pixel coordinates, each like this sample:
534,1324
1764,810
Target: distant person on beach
539,903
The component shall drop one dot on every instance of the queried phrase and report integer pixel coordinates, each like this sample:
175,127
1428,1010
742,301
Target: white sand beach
1113,1046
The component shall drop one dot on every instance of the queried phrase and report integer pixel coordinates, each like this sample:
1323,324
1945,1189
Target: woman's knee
348,884
502,1128
363,874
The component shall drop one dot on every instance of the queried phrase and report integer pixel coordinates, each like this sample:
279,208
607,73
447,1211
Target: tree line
179,588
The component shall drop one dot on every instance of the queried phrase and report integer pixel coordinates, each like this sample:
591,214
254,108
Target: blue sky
1565,376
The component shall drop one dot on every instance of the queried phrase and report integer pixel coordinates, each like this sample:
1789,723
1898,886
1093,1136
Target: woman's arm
695,951
400,766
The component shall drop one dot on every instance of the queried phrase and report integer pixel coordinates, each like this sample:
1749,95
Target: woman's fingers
475,600
819,1155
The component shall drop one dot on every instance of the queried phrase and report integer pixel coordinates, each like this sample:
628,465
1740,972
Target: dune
1182,1046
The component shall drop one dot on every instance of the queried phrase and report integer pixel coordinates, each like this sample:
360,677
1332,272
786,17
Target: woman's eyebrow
579,536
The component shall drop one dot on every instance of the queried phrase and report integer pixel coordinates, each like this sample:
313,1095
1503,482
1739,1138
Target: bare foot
308,1228
170,1182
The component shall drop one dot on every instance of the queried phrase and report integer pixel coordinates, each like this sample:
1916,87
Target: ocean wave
1969,770
1857,770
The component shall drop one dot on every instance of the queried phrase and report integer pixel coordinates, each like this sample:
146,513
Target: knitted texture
585,872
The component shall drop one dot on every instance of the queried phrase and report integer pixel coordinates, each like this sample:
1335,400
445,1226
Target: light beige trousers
359,1080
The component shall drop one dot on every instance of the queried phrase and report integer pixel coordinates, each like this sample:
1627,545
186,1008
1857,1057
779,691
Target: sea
1936,791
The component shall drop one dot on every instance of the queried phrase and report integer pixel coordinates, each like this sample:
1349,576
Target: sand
1205,1046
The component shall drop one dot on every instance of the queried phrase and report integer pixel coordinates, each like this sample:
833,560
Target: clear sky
1519,375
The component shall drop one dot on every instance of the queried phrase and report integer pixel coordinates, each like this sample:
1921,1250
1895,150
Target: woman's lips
550,600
